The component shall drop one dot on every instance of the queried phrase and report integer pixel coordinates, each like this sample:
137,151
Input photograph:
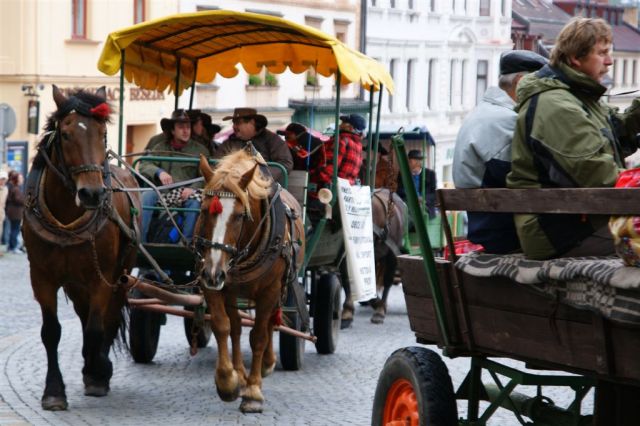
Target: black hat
356,120
177,116
415,154
514,61
208,124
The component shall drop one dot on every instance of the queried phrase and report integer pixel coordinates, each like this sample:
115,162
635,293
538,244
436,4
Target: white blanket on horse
600,283
173,199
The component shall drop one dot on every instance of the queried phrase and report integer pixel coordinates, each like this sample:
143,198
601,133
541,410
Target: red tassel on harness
215,206
101,111
276,317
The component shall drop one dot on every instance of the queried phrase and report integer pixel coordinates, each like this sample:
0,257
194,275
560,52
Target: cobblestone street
178,389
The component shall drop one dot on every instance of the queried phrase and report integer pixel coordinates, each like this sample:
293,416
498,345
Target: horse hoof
96,390
345,323
228,396
377,318
54,403
266,371
251,406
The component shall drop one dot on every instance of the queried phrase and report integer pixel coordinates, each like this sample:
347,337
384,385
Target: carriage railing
285,175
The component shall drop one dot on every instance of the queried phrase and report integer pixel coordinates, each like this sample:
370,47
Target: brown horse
77,235
251,239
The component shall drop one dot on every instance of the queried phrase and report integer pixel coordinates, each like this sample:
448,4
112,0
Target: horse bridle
75,105
236,255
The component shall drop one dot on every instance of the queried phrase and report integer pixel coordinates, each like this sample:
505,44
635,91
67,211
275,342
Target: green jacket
566,137
178,171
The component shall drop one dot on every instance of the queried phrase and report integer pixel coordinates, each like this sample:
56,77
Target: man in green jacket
567,137
178,144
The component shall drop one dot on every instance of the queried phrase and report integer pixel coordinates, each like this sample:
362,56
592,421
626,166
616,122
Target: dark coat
15,203
268,144
430,194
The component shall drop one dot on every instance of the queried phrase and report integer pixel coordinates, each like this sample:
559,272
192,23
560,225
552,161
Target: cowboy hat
208,124
247,113
177,116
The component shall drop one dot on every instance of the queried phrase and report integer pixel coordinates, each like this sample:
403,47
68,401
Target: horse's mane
231,169
80,98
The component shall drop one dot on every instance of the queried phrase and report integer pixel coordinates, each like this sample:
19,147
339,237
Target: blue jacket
482,159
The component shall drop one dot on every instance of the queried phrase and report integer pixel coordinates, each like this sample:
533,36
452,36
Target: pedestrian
4,192
482,156
567,137
15,208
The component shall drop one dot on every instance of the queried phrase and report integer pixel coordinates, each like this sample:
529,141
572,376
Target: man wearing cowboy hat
248,125
180,144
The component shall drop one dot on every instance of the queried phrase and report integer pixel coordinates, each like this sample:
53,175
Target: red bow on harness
101,111
215,207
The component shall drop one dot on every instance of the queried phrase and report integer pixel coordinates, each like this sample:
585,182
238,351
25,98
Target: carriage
479,306
179,51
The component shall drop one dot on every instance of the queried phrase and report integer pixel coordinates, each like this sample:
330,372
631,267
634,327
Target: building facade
59,42
442,54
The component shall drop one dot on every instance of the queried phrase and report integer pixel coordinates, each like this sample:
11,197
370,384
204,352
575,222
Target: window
79,19
410,71
503,7
624,72
430,79
341,28
432,5
392,3
392,71
485,8
139,14
634,72
312,74
410,5
614,71
481,79
373,2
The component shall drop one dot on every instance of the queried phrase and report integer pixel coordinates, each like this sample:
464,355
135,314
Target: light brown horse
78,237
251,239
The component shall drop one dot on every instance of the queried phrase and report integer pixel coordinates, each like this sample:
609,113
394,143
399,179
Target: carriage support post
425,244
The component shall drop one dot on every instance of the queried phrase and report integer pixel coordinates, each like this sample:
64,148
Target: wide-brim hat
247,113
177,116
208,124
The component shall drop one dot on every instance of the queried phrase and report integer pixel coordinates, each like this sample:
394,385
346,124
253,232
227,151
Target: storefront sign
113,93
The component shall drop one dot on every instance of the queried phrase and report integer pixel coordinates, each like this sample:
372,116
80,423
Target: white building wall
453,35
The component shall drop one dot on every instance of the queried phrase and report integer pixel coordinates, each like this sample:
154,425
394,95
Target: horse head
79,146
230,213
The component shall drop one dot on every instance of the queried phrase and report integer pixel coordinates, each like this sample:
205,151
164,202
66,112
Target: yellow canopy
213,42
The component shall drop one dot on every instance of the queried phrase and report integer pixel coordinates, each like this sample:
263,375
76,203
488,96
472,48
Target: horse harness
382,234
244,268
85,228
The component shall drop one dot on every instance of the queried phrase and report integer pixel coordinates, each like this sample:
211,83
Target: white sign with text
357,226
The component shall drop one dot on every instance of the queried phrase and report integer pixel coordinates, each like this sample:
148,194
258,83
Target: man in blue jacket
482,156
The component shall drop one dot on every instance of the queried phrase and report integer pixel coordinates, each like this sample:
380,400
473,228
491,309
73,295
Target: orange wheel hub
401,405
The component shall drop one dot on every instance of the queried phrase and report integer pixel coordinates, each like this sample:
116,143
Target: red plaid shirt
349,161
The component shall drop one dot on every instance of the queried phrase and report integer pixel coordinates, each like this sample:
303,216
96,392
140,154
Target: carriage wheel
144,334
203,334
291,347
414,388
326,315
